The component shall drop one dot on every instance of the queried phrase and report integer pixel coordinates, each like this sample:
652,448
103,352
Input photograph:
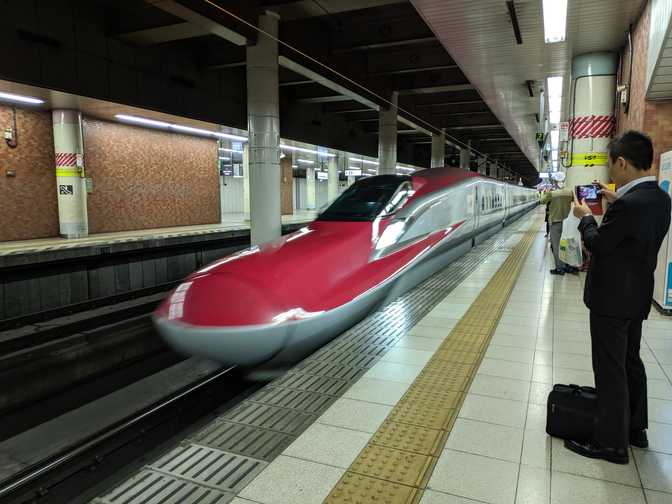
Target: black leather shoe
638,438
557,272
593,450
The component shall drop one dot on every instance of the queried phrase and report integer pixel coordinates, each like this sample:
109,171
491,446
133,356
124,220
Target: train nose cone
223,317
223,300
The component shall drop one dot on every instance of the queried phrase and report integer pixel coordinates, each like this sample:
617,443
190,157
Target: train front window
364,200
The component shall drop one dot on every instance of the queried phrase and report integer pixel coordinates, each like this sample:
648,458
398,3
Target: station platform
230,222
438,398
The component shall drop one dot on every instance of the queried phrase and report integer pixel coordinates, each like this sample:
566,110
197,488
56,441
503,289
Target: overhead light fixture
225,158
307,151
555,20
225,149
554,88
295,166
555,137
305,161
178,127
20,98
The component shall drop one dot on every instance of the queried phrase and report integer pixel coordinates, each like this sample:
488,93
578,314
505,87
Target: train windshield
364,200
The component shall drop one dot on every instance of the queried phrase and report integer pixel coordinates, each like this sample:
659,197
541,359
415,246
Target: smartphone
588,192
592,194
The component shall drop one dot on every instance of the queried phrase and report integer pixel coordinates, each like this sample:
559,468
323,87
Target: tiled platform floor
498,451
230,222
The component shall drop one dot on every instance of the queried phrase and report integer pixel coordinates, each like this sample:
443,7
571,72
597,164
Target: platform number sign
65,189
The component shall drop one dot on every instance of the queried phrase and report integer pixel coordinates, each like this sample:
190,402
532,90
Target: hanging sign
353,173
564,131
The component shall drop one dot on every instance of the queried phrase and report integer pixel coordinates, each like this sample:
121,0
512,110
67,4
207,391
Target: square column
465,158
439,150
387,138
263,120
332,181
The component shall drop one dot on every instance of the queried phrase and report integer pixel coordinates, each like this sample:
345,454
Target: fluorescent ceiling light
177,127
405,168
295,166
20,99
555,20
307,151
225,158
224,149
554,86
305,161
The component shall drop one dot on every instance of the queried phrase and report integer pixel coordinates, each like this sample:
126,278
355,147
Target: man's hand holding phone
606,193
581,209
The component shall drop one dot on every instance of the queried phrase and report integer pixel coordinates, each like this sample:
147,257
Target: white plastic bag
570,242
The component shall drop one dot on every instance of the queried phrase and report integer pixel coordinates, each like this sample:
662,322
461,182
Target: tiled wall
634,119
652,117
144,178
28,205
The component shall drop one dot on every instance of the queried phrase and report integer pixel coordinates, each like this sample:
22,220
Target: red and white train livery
272,304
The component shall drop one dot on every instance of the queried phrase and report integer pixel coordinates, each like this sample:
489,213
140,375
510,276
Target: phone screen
587,192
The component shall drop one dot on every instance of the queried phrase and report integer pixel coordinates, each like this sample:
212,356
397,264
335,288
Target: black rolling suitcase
570,412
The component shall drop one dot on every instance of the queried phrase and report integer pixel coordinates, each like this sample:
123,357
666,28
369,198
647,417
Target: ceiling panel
479,37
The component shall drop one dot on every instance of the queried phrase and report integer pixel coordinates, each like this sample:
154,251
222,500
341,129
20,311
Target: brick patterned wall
658,124
634,119
652,117
28,201
144,178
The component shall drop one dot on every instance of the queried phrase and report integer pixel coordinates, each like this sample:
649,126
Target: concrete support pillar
593,123
465,158
246,181
70,183
332,181
492,172
311,188
439,150
263,124
387,138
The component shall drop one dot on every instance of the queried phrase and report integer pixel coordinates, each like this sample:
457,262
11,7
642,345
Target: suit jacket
624,252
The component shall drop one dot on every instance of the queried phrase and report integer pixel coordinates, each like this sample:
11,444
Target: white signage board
353,173
662,292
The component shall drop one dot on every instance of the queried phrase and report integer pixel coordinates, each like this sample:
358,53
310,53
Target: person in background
558,203
618,292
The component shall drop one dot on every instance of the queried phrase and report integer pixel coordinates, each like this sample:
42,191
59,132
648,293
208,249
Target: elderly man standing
558,202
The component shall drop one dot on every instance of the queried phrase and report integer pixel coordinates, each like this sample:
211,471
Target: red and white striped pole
70,183
592,124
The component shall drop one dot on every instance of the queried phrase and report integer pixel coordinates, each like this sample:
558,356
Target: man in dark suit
618,292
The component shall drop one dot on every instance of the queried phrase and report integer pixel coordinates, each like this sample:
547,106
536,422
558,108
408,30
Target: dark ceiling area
372,48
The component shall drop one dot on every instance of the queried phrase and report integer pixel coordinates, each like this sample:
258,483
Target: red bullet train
269,305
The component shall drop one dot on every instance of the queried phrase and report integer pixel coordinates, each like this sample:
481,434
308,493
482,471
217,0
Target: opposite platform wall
28,205
144,178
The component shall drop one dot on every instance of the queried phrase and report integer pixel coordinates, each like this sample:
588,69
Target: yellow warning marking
67,172
590,158
396,464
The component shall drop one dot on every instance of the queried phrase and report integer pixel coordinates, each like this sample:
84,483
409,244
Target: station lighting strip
199,131
454,140
177,127
20,98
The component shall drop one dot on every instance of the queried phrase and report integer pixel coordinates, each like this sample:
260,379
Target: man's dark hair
633,146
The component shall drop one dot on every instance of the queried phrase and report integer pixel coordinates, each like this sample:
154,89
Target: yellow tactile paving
396,464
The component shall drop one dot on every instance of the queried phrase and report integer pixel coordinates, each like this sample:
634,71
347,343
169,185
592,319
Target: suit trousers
620,379
556,233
